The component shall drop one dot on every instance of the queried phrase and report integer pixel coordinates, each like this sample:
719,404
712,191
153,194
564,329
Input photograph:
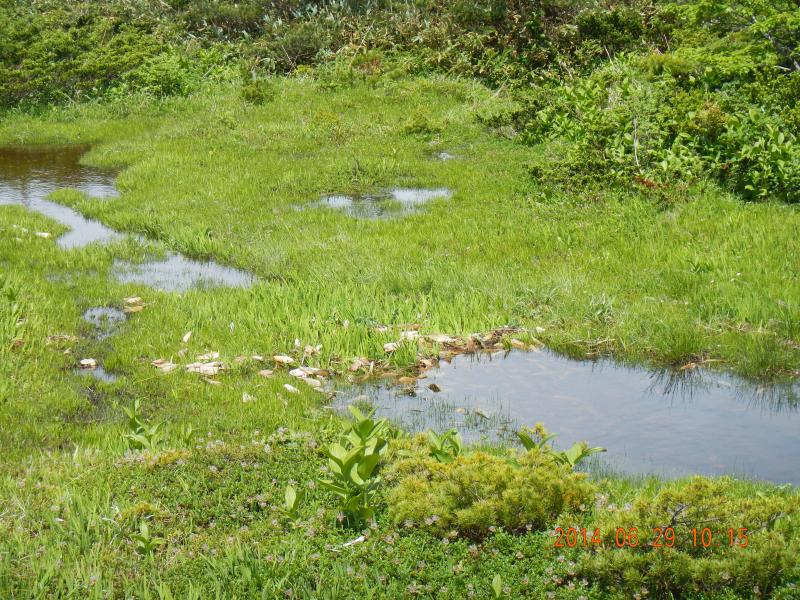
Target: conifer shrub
478,492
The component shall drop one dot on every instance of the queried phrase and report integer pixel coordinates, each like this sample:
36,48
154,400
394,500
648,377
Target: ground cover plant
589,211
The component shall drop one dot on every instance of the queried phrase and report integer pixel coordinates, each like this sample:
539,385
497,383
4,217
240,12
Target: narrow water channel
29,174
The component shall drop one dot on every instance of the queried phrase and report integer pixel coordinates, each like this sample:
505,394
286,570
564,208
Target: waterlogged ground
29,174
163,259
395,203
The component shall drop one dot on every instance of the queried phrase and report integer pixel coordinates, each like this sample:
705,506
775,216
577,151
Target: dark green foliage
60,54
715,102
645,92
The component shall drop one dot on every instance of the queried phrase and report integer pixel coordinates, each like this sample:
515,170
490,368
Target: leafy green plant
352,462
540,440
576,453
145,542
497,586
532,438
291,502
445,447
141,435
187,434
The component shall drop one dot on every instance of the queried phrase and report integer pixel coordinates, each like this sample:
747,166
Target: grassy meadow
706,278
699,277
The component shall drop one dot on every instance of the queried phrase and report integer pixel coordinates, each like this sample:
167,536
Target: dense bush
477,492
61,54
647,92
760,565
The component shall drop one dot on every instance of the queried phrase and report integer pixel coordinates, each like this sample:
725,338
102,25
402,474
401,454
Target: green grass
706,278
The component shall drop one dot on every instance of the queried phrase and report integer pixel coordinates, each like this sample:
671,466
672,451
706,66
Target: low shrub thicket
476,493
720,540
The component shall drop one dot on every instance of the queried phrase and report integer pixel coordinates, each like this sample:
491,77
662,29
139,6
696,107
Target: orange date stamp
655,537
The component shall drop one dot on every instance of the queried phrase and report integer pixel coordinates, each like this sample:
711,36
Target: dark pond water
398,202
651,422
29,174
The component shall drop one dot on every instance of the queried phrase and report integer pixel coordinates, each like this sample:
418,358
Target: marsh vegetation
221,223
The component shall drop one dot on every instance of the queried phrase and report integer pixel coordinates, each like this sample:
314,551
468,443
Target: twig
779,47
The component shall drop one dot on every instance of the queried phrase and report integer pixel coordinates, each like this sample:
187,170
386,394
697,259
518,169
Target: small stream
667,423
29,174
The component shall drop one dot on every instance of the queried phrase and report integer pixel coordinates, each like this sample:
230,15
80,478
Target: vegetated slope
640,92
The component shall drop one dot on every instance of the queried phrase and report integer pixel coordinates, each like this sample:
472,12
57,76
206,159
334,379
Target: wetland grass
709,278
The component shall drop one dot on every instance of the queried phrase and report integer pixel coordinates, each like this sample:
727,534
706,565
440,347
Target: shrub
477,491
768,561
420,122
62,53
166,74
257,91
760,158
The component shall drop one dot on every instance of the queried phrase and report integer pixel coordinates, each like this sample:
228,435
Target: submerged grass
706,278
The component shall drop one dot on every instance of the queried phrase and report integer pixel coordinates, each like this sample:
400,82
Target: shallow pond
398,202
177,273
29,174
669,424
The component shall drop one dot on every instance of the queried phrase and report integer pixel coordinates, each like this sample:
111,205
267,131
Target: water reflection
177,273
398,202
98,373
105,320
32,172
658,422
29,174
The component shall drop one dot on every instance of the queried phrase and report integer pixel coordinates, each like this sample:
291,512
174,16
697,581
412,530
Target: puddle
98,373
105,320
398,202
177,273
29,174
445,156
650,422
